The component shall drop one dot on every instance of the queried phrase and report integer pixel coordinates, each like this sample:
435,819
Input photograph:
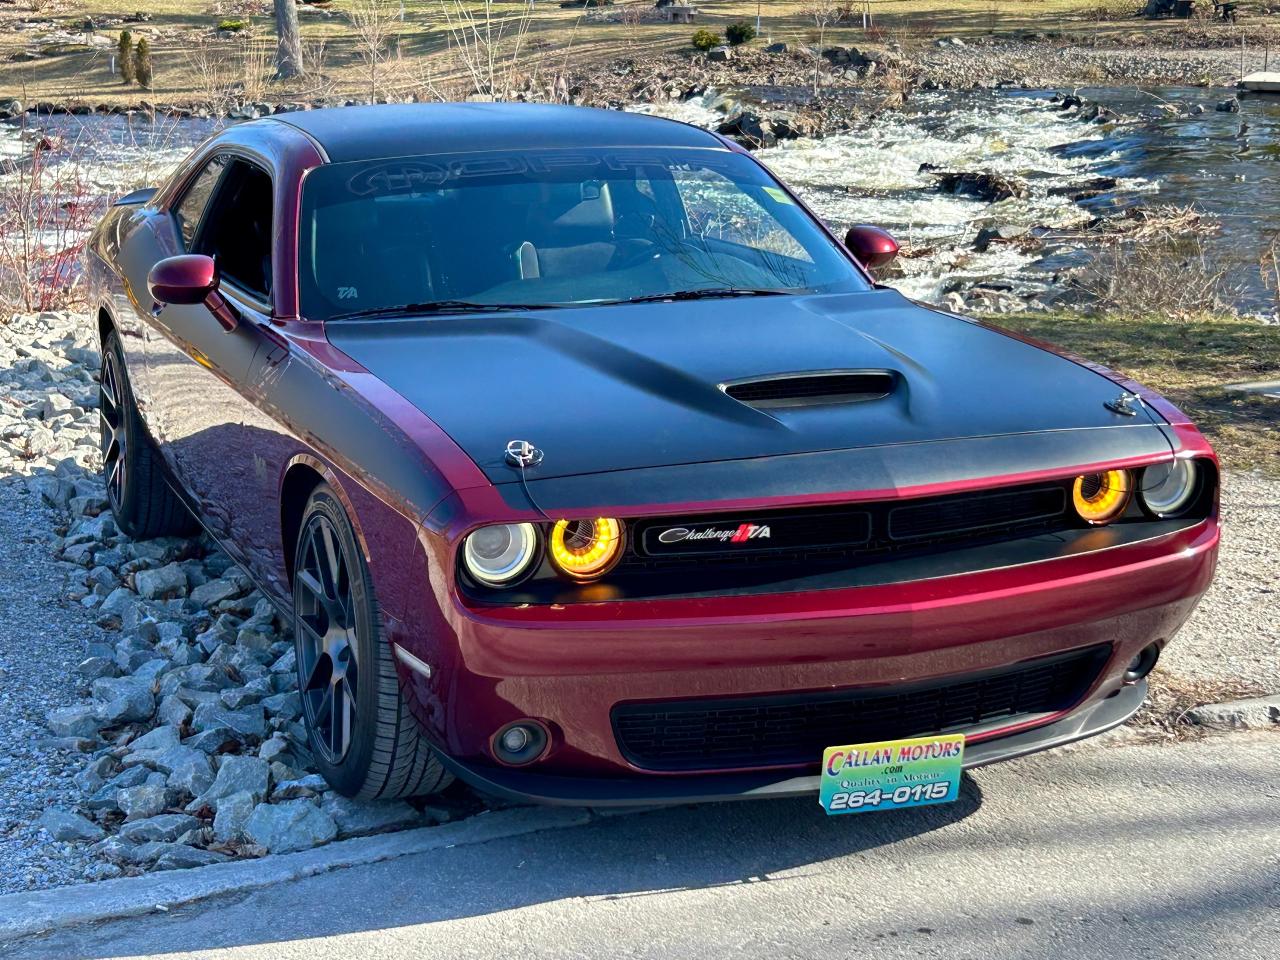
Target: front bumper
523,786
569,666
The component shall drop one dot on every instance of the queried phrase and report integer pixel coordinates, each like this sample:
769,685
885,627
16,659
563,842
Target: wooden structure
1262,82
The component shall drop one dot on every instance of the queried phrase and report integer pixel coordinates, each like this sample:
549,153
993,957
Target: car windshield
529,229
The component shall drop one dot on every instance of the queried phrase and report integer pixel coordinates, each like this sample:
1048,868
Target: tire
142,502
364,739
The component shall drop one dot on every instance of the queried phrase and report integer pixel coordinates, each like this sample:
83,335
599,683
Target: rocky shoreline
822,83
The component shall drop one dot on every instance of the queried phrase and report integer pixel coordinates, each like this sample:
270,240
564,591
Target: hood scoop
812,389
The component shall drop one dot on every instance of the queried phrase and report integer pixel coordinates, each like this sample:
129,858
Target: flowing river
1170,147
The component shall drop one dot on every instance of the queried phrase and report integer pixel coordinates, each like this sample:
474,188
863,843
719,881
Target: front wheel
365,742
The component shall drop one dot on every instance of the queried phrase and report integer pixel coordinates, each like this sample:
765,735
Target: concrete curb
43,911
1252,713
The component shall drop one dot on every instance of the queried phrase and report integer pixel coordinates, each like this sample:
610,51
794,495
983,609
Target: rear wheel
142,502
365,741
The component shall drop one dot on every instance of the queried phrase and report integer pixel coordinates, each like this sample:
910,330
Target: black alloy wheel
115,438
365,741
328,665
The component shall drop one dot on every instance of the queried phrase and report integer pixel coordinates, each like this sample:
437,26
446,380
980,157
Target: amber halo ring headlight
500,553
1101,497
1167,489
586,550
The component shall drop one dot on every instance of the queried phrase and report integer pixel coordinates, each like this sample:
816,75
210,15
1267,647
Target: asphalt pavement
1105,850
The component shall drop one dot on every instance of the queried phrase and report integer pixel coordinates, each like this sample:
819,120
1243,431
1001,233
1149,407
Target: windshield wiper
713,293
439,306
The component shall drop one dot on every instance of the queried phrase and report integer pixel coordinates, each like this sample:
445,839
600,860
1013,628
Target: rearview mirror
191,279
873,247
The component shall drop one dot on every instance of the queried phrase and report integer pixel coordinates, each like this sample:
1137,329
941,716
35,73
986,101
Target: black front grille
845,534
795,729
813,388
976,512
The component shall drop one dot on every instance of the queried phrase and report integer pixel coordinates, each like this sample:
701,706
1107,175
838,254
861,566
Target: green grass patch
1189,362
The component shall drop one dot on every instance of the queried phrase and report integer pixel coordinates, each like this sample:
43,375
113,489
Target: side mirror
188,280
873,247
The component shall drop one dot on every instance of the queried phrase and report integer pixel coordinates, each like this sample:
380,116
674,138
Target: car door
199,373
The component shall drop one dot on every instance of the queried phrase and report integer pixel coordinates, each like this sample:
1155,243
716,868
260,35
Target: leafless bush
1160,262
224,72
632,15
377,33
490,45
1269,267
314,60
824,14
215,76
46,212
52,196
913,33
256,68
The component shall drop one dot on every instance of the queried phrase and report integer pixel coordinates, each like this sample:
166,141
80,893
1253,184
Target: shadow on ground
615,858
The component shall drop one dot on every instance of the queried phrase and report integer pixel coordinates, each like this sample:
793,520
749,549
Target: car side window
236,231
191,207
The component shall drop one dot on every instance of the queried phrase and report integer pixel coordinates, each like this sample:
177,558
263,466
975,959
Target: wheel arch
301,476
106,324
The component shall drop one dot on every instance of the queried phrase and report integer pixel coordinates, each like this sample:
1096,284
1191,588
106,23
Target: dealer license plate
892,774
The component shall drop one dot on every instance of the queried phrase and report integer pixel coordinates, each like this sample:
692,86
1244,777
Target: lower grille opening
795,728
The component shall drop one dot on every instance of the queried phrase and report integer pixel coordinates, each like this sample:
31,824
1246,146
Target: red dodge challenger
591,467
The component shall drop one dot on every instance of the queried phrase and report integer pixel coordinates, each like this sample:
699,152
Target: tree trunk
289,44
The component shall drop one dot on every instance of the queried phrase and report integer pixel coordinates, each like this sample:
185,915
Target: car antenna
522,454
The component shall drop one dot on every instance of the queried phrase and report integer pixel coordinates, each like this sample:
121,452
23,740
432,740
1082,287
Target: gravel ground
147,689
42,638
1235,632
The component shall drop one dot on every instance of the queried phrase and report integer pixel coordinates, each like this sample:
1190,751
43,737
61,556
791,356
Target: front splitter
658,790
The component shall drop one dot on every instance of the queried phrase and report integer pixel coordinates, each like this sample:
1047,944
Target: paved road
1116,851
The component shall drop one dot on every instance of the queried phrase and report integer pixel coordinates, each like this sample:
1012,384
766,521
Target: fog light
1142,664
521,742
515,739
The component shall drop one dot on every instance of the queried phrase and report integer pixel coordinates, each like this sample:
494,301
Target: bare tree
374,23
490,45
288,41
823,13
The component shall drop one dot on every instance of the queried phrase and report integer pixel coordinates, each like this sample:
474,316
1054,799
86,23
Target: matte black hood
622,387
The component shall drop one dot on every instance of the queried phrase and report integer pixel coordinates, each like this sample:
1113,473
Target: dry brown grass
1188,361
1170,697
1158,259
427,48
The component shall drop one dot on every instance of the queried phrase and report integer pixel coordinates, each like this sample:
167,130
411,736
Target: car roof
410,129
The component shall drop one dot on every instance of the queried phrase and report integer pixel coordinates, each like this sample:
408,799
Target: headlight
500,553
586,549
1101,497
1166,489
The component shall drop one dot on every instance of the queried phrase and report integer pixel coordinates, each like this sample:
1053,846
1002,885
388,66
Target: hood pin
1123,405
522,453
